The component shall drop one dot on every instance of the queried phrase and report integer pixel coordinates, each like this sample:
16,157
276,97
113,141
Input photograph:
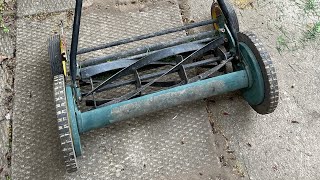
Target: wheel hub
254,94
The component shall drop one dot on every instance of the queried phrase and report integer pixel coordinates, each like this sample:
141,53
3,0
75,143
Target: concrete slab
33,7
199,11
173,144
195,11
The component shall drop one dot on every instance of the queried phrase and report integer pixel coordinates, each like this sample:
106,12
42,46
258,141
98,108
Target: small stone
226,114
275,167
212,101
8,116
230,151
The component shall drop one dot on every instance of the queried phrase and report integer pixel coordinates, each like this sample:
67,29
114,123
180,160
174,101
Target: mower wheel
263,95
229,13
64,124
55,55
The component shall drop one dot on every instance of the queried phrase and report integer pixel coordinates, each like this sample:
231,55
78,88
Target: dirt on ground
7,65
282,145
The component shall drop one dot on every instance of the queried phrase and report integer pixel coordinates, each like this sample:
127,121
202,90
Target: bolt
222,30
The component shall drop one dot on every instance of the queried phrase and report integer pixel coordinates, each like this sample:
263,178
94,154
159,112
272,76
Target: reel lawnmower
156,76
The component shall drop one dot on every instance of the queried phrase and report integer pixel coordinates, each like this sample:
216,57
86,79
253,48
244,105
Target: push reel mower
156,76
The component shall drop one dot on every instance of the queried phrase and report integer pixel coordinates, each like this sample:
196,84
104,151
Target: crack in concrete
228,157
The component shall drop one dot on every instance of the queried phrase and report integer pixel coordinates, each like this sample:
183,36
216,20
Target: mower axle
106,115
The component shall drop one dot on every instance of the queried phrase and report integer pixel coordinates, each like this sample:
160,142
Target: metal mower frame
229,61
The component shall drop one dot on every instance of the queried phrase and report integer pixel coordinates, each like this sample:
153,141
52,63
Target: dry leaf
243,4
2,58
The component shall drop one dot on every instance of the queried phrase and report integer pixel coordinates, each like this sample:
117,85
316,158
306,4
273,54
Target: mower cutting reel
156,76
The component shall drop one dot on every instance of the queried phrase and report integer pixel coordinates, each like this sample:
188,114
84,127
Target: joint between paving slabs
227,157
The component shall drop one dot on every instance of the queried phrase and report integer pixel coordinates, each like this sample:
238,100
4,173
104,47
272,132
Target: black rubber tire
230,14
55,55
63,121
271,91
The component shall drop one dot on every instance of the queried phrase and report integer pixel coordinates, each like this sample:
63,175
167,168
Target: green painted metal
231,41
104,116
73,110
254,94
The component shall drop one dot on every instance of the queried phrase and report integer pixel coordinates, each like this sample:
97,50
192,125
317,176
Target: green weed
310,5
3,27
313,32
282,43
8,177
